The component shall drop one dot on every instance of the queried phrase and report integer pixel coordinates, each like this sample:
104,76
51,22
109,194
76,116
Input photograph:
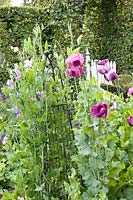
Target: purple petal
104,70
113,76
130,120
111,103
99,110
103,62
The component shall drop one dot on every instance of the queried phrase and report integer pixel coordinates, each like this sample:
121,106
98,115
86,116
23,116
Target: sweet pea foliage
34,121
104,139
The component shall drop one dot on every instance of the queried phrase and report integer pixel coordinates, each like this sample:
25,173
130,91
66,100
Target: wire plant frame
59,141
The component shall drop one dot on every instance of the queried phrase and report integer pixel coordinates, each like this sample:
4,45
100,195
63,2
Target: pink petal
130,91
75,72
75,60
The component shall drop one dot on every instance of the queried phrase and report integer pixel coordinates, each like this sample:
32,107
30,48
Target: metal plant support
59,143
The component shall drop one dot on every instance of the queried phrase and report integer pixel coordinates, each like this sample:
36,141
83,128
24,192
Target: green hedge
107,31
17,23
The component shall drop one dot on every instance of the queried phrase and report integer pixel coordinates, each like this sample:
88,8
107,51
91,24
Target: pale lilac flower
39,95
75,60
18,74
113,76
4,139
17,94
3,96
104,70
4,151
99,110
75,72
10,82
17,111
18,115
130,120
20,198
103,62
4,84
130,91
28,63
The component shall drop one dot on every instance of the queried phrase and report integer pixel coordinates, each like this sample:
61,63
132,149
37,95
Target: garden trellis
91,69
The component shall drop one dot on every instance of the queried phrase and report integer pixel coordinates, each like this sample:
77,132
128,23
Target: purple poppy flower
18,74
75,72
103,62
10,82
113,76
75,60
130,120
3,96
130,91
99,110
4,139
104,70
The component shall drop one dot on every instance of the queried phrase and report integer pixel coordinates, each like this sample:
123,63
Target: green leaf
79,39
69,51
76,50
46,45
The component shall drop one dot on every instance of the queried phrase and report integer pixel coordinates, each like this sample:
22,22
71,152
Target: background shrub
121,85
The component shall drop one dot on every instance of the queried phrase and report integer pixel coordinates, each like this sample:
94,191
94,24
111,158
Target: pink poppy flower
103,62
130,120
130,91
99,110
104,70
75,72
75,60
113,76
